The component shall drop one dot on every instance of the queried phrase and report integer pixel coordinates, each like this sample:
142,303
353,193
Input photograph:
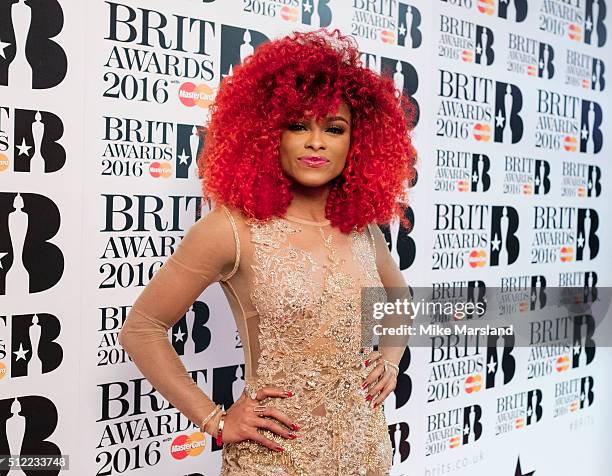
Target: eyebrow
337,118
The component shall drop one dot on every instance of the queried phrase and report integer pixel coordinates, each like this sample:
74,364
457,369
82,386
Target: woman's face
312,153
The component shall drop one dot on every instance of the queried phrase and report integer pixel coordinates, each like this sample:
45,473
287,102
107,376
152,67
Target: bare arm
206,254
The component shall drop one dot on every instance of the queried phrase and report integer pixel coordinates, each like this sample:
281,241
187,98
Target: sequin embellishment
310,341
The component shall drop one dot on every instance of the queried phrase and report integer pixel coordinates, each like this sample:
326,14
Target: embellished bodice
303,332
307,305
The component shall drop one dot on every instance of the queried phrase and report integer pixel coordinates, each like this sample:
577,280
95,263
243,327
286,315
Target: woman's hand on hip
244,417
381,380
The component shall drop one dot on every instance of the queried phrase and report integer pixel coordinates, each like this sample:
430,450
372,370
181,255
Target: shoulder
388,269
233,230
220,220
214,221
379,241
207,247
377,235
214,231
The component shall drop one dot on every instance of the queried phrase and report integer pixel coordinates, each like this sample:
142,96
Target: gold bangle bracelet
396,367
219,437
216,410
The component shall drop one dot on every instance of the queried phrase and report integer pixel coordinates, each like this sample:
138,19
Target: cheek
288,144
286,153
283,152
345,148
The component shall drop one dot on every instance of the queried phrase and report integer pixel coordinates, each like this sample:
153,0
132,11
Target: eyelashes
297,126
338,130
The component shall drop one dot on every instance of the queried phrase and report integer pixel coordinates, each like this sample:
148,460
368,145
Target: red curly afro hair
273,87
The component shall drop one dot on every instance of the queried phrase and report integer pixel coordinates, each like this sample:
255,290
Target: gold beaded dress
295,294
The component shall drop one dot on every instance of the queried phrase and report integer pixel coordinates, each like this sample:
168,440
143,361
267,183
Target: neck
308,202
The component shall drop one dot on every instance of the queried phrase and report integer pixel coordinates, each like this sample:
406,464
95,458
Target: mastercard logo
581,191
467,56
567,254
527,189
519,423
486,6
523,306
387,37
2,370
562,363
482,132
288,13
462,185
200,95
477,258
531,70
573,406
160,170
4,162
192,445
575,32
570,144
454,442
473,383
586,84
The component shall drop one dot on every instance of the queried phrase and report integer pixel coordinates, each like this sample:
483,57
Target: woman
306,151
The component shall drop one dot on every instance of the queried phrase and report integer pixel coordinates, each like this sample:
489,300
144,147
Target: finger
265,392
372,357
384,394
380,384
262,440
374,374
275,427
282,417
262,410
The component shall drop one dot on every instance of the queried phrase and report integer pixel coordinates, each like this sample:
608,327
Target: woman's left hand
379,384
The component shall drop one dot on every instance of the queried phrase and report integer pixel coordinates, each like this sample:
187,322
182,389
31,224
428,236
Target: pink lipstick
313,161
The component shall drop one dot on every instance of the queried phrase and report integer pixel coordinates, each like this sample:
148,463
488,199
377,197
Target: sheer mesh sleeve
206,254
388,269
396,287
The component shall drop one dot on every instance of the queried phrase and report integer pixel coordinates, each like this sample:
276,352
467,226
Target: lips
313,160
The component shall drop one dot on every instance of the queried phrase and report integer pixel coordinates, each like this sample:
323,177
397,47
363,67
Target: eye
336,129
296,126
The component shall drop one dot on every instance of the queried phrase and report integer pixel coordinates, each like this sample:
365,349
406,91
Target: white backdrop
100,105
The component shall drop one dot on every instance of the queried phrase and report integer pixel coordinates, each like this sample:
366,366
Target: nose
314,140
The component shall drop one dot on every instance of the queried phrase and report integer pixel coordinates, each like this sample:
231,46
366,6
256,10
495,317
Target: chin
312,181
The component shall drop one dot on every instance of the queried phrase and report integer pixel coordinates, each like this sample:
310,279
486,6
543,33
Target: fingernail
279,448
376,404
367,362
365,384
289,393
369,397
293,436
294,426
